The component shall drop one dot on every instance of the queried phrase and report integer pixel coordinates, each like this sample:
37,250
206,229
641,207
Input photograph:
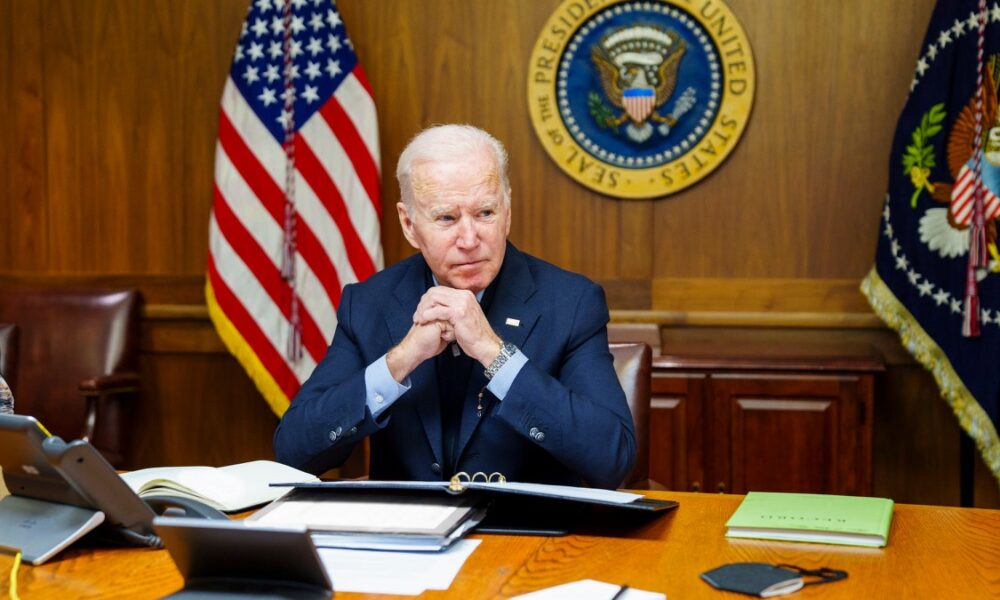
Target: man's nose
468,236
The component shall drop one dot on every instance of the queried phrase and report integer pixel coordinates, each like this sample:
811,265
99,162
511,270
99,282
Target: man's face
459,221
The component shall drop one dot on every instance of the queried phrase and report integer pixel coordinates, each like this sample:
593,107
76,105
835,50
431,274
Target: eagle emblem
637,66
946,230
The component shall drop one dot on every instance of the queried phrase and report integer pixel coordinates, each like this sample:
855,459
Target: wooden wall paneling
677,425
199,409
915,434
800,195
24,226
758,294
130,92
89,88
916,439
131,96
191,46
387,42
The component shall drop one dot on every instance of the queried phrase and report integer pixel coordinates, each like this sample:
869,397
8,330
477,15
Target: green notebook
850,520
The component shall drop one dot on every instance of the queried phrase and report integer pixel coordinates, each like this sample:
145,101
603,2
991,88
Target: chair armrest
115,382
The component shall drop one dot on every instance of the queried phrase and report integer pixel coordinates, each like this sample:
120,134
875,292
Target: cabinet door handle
695,486
721,487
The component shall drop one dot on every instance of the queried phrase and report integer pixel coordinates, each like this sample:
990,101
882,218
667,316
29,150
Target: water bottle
6,399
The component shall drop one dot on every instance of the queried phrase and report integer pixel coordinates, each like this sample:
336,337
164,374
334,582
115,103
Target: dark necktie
453,380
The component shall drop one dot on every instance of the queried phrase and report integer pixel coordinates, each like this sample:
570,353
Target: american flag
296,208
963,196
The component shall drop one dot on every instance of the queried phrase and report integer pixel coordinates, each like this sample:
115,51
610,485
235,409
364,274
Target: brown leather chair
9,337
78,360
634,365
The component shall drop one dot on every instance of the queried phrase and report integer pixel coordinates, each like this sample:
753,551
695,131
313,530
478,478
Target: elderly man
470,356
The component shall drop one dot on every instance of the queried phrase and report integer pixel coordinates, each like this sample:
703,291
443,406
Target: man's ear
507,208
406,223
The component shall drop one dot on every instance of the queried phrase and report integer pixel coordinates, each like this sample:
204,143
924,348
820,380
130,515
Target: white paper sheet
563,491
589,589
403,573
338,514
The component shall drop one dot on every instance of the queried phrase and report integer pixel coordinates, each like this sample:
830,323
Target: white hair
449,144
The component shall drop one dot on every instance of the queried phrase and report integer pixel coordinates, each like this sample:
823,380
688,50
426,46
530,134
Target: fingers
434,314
447,331
461,319
447,304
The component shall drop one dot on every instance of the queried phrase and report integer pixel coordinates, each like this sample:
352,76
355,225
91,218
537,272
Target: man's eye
487,213
445,218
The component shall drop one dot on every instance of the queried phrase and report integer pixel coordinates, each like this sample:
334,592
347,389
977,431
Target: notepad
373,521
828,519
230,488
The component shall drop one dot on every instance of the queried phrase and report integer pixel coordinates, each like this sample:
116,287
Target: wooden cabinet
739,418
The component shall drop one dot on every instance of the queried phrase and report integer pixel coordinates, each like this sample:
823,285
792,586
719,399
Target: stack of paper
403,573
374,521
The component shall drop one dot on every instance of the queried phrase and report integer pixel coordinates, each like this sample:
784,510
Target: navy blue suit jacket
567,390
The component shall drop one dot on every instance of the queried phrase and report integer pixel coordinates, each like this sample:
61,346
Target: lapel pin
513,322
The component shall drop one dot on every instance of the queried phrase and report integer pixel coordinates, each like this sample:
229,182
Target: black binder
512,508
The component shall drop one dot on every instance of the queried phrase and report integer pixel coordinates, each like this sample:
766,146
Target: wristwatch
506,351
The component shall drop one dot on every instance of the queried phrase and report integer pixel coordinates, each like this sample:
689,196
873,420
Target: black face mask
765,581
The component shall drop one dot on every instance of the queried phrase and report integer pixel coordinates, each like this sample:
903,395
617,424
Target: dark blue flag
938,165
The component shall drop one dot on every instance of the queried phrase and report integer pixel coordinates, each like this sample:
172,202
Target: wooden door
676,430
794,433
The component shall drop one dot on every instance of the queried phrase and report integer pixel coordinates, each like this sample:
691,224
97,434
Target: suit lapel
512,316
423,379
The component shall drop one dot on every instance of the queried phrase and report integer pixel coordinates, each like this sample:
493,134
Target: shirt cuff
501,382
381,390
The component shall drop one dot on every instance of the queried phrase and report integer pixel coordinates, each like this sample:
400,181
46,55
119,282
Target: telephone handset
60,490
178,506
94,478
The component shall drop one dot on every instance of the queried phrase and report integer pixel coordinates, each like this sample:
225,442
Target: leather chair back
68,336
9,337
634,365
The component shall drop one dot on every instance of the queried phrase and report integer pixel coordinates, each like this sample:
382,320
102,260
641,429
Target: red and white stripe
638,107
963,198
337,227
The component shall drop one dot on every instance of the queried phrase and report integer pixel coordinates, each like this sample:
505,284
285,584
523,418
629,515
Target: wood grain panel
739,294
120,178
800,196
676,424
199,410
783,445
131,95
24,240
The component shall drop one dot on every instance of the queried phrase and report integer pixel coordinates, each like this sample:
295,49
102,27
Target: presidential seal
640,99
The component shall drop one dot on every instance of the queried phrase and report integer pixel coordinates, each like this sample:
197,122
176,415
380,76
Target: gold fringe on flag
969,412
239,348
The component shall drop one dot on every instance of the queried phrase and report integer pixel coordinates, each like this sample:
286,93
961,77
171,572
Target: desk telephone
42,471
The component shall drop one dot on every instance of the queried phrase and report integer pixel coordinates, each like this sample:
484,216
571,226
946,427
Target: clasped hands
444,315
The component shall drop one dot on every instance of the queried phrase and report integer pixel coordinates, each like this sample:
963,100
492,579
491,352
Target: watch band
506,351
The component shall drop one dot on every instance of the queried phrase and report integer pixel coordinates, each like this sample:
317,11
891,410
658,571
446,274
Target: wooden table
933,552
